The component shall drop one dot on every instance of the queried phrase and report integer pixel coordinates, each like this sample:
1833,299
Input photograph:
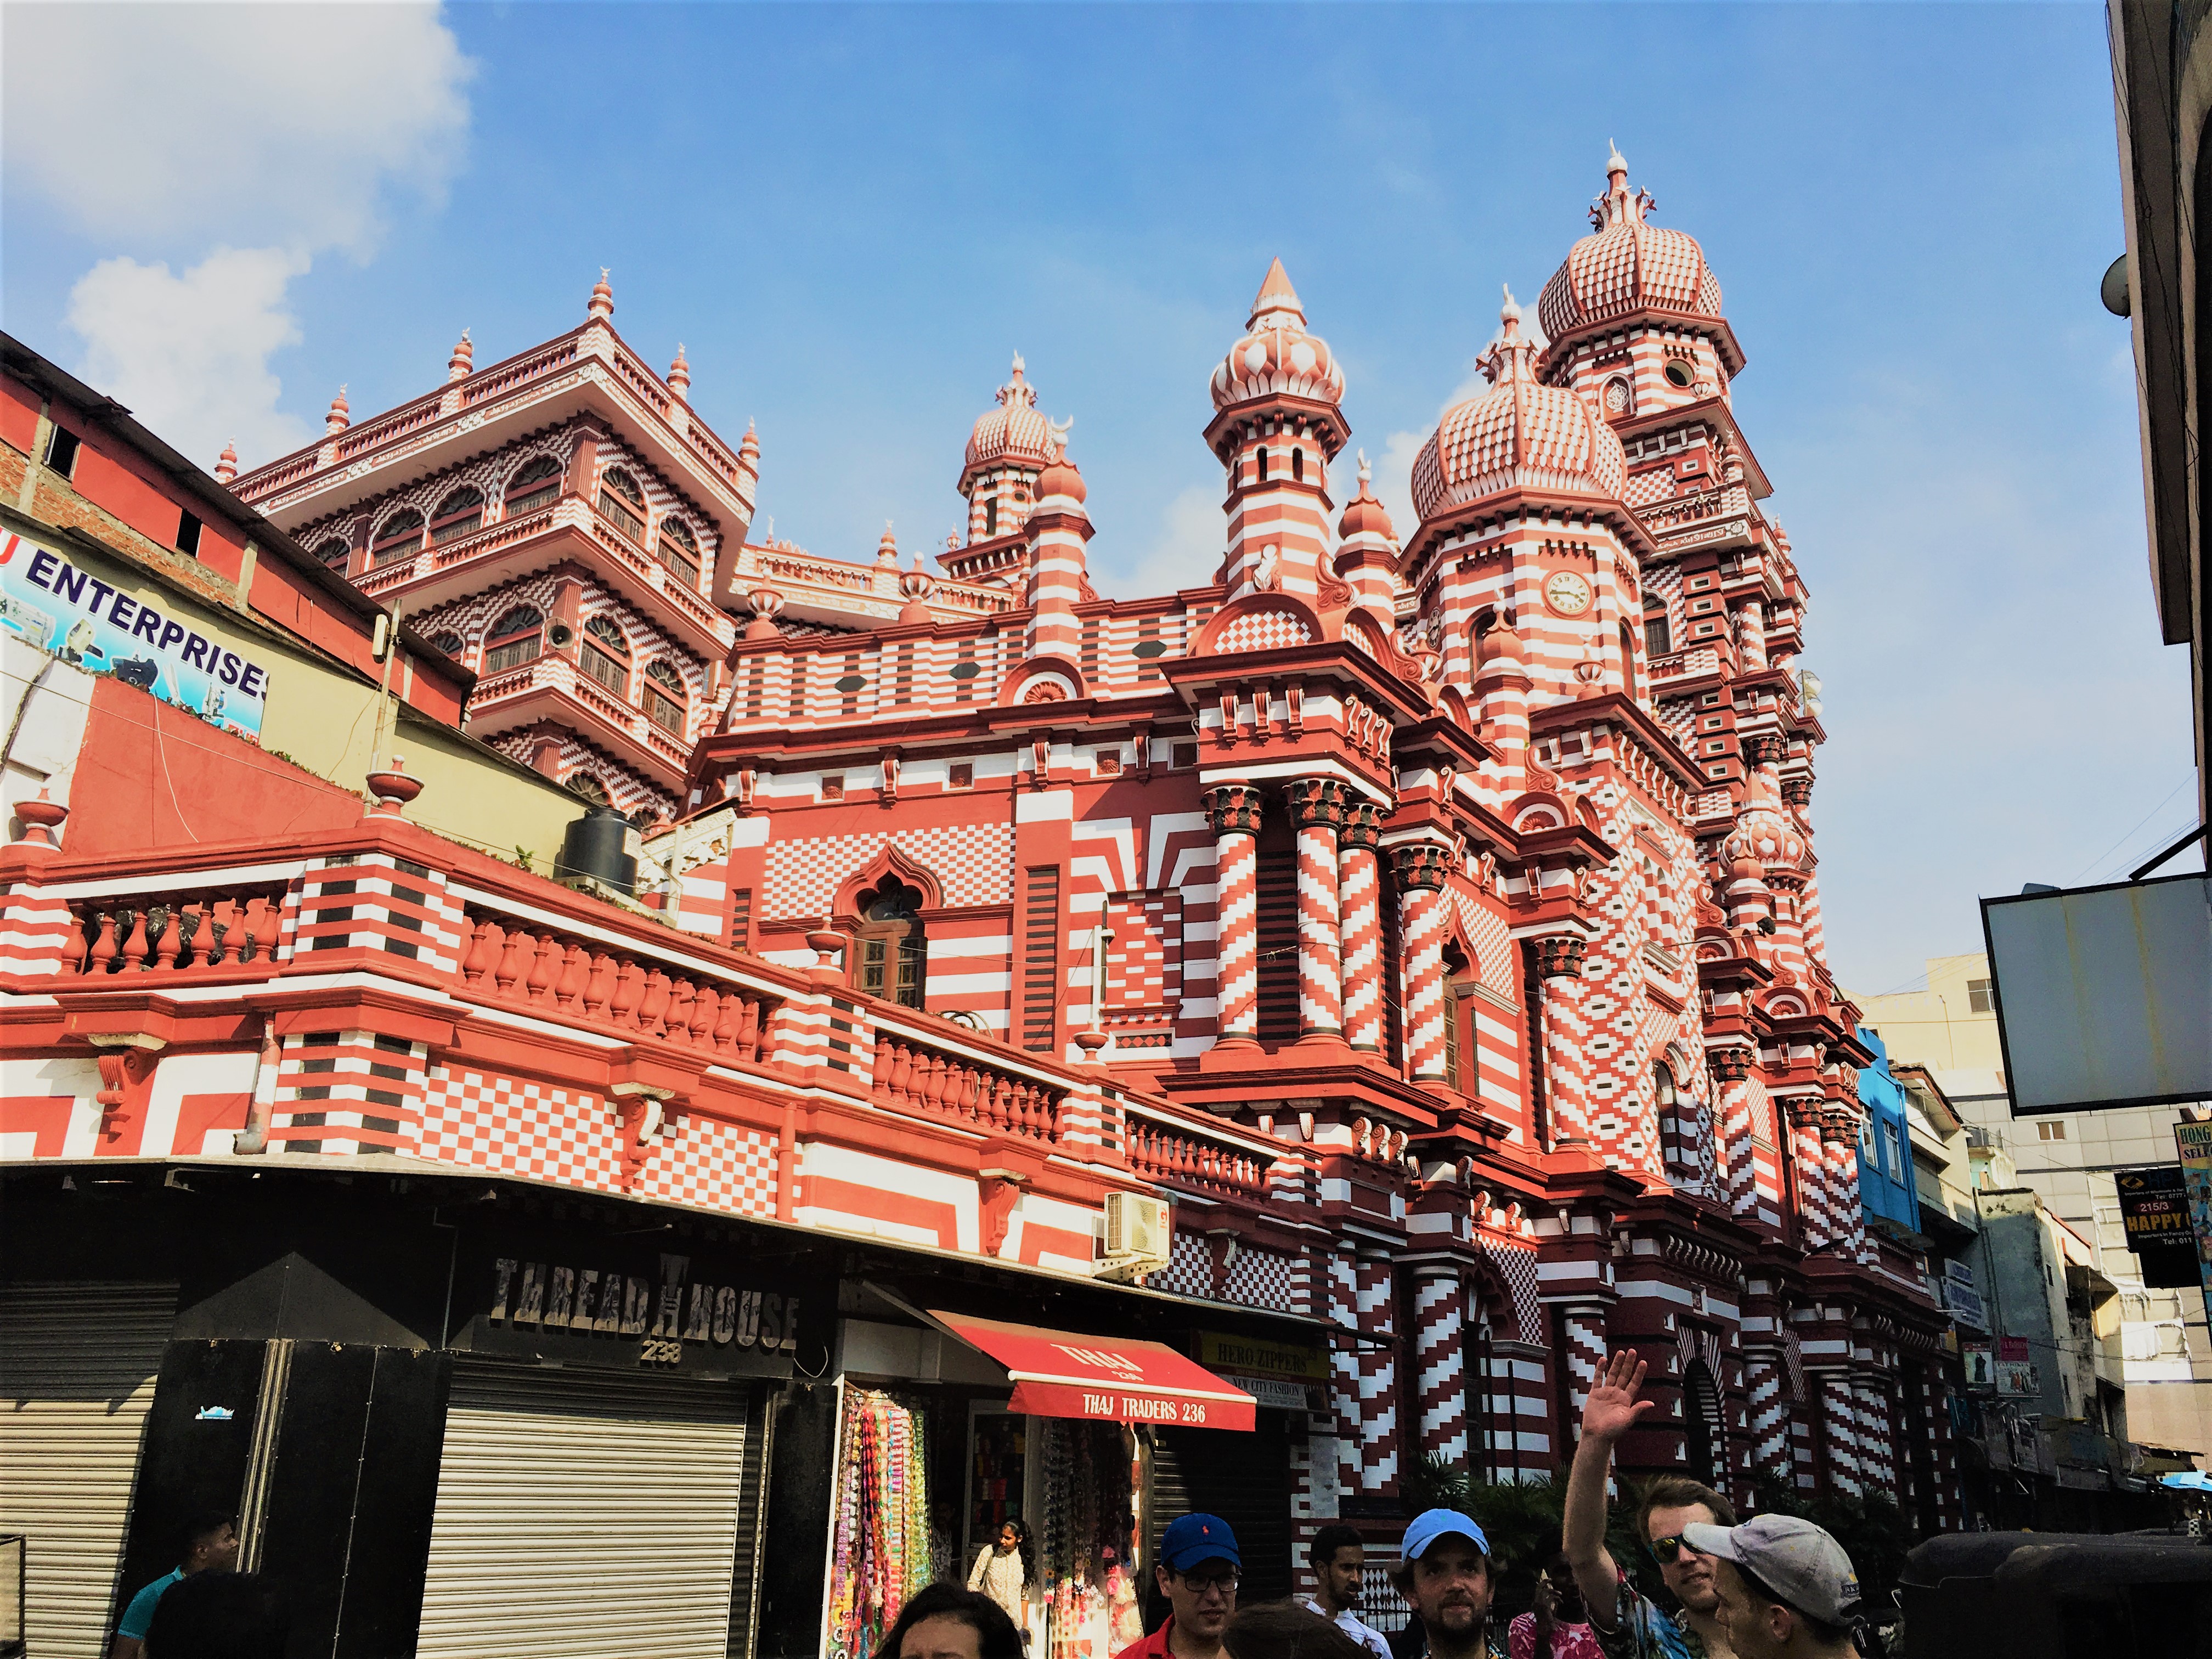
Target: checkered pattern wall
975,862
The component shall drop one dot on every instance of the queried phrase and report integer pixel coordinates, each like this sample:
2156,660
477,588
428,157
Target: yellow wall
1937,1027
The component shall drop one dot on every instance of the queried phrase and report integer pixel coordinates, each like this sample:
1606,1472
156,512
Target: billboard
2104,994
48,601
2155,1210
2194,1141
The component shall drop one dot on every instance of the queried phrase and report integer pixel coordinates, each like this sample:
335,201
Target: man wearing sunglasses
1626,1625
1197,1572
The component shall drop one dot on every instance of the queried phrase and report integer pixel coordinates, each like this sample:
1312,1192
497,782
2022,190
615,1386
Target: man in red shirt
1197,1571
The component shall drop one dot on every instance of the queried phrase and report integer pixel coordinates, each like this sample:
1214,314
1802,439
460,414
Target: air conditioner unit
1137,1237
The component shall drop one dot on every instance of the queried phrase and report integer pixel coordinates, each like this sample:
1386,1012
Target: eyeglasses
1198,1582
1665,1549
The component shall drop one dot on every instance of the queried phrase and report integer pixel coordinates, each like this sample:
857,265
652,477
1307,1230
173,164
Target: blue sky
851,217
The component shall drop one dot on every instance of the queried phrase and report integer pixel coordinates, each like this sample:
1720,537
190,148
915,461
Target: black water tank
2058,1596
595,846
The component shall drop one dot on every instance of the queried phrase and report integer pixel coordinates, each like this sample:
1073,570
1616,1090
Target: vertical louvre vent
741,919
1041,956
1278,934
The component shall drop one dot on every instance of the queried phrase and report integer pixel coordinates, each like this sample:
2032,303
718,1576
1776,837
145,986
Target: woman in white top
1007,1574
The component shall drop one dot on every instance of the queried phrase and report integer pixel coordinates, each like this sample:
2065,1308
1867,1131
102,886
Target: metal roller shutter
77,1364
1245,1478
584,1514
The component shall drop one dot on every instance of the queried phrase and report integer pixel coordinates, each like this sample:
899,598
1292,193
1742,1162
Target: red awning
1067,1374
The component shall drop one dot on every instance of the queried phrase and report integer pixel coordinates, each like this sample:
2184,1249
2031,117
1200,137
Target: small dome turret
1277,355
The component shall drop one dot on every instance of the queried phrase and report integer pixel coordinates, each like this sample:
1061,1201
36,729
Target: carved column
1420,873
1233,810
1360,913
1316,811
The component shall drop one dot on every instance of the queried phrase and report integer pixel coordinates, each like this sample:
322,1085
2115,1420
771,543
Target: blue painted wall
1886,1186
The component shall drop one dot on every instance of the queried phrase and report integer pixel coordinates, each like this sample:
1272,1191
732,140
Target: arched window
1628,669
448,642
515,638
401,537
990,518
1658,640
624,502
604,654
334,552
666,699
679,549
1298,465
589,787
458,515
1459,1050
538,482
1262,474
892,955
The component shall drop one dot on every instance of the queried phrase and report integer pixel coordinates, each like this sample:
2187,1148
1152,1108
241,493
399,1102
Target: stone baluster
165,951
541,970
654,1004
134,947
103,947
482,953
511,964
629,988
704,1008
599,986
73,947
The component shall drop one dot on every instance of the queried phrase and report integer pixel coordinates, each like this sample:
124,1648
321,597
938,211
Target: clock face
1567,593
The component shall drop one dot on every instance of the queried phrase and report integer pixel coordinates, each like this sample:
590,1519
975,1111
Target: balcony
551,687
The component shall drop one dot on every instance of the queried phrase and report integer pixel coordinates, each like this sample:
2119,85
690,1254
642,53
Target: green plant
521,859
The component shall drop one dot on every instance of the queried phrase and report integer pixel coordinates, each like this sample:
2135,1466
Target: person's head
1338,1558
1445,1577
1787,1589
216,1613
1559,1598
1012,1534
947,1622
208,1542
1284,1630
1197,1572
1668,1505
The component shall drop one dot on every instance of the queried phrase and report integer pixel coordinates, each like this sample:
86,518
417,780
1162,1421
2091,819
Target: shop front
952,1425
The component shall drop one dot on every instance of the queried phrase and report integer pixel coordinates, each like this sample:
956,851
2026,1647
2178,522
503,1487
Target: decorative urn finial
226,464
679,376
603,297
462,362
394,789
340,415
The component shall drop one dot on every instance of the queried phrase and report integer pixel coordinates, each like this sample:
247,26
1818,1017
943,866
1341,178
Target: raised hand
1612,1408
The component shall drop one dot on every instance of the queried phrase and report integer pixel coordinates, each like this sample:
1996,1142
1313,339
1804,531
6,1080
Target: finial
1614,163
1057,442
226,464
339,418
603,296
462,362
1365,472
1276,296
887,549
1018,365
1508,313
679,374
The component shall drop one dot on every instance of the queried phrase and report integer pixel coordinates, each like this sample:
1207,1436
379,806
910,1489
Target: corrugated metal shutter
1245,1478
585,1515
77,1364
744,1577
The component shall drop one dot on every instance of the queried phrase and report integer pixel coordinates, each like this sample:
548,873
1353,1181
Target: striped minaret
1502,685
1424,912
1059,531
1316,811
1277,428
1367,555
1812,1167
1751,638
1877,1434
1439,1358
1233,810
1359,911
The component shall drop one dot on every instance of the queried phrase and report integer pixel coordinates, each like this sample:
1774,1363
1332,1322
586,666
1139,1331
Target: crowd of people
1771,1588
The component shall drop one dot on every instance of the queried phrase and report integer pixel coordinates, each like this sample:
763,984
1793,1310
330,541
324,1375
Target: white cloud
1185,552
268,133
188,353
149,125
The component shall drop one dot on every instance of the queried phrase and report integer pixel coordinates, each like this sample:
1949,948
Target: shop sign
2194,1141
1283,1375
2016,1380
1962,1298
2155,1210
674,1313
1980,1359
60,608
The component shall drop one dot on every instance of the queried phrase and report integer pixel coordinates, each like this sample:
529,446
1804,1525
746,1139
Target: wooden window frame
674,555
387,547
463,520
539,493
654,689
534,636
622,510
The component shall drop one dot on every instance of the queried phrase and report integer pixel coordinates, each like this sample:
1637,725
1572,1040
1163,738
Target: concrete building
2068,1160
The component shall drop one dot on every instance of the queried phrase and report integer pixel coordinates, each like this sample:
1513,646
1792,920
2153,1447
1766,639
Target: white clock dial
1567,593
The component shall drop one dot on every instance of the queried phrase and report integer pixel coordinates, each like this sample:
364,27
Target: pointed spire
1017,392
1277,304
226,464
887,548
1510,357
1620,205
679,376
603,296
340,415
462,362
1615,165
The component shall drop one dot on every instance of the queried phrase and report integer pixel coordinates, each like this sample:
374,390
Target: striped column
1378,1377
1769,1390
1359,918
1839,1144
1233,810
1584,1356
1316,811
1423,918
1440,1360
1878,1435
1059,531
1811,1161
1343,1365
1731,1072
1839,1419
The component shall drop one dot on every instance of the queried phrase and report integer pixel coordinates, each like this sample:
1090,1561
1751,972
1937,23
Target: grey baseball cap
1798,1561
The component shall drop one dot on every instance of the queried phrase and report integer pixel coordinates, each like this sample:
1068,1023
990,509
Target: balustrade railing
173,933
909,1077
557,972
1162,1153
496,379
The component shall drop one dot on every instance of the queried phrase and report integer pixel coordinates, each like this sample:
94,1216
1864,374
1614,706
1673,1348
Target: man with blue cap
1445,1576
1197,1571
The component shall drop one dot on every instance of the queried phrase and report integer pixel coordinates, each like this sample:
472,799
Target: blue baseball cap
1191,1538
1432,1524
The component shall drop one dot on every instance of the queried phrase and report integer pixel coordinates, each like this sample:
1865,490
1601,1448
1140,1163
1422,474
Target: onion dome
226,464
1060,476
1626,265
603,297
1365,516
1013,435
749,450
340,415
1767,841
1500,646
1277,356
1518,434
679,376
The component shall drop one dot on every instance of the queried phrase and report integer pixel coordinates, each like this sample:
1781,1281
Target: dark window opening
448,642
622,501
991,518
588,787
335,554
516,638
1041,958
666,701
1261,475
1658,638
188,534
1978,999
61,451
680,549
1298,465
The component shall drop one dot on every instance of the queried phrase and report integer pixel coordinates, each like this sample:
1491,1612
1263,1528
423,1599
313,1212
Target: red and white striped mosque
1428,911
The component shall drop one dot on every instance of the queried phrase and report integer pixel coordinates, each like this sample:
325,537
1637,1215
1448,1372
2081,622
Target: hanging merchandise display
882,1553
1090,1529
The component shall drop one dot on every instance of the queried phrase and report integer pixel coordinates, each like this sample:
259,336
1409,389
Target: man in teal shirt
211,1545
